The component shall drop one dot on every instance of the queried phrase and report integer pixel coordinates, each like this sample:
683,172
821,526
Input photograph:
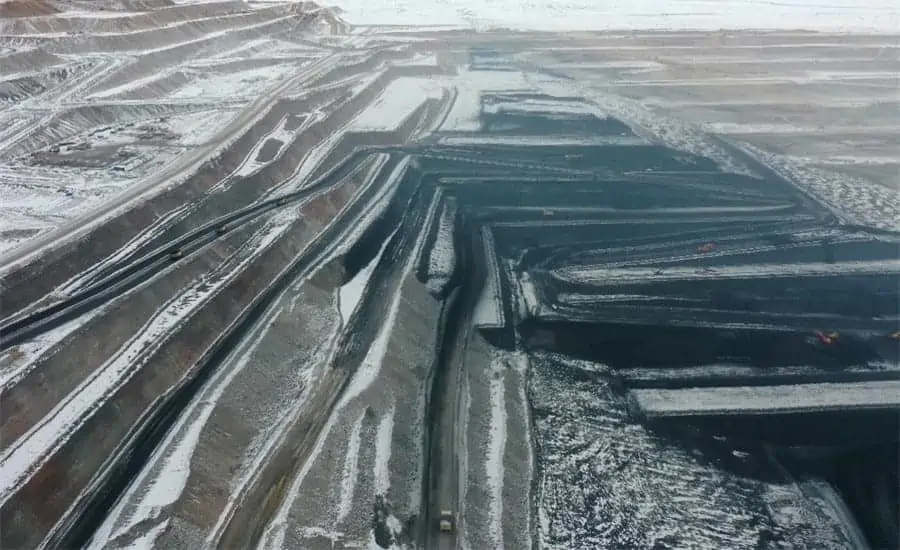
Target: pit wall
278,488
271,489
55,374
127,22
149,63
53,377
250,410
37,278
245,190
30,514
70,123
395,395
187,31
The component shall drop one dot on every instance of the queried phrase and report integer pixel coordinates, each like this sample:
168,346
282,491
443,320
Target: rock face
27,8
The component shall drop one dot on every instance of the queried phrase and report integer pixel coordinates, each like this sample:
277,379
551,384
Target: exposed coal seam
601,189
778,231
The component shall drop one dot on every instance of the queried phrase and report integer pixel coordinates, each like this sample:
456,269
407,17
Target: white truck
445,522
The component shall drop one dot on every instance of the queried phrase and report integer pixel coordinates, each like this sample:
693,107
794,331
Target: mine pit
396,288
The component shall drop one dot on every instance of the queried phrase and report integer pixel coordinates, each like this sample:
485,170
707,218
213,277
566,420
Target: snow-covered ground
442,257
384,474
489,309
351,293
147,90
42,191
855,199
724,372
249,83
769,399
498,464
612,276
269,147
27,454
607,483
397,102
622,14
603,481
464,116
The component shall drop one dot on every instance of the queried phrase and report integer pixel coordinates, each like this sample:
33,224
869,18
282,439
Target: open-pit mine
272,280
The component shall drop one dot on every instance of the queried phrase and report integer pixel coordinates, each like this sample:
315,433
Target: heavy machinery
445,522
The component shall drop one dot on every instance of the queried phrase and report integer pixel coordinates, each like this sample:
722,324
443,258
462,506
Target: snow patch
350,294
173,455
381,472
397,102
597,275
859,201
148,540
496,448
19,360
251,164
489,309
371,365
273,537
380,203
769,399
351,465
464,116
24,457
442,259
250,83
529,294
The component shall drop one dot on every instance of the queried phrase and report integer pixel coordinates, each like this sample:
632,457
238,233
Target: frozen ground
397,103
499,456
606,483
442,257
94,108
819,109
32,449
770,399
150,91
365,469
293,370
621,14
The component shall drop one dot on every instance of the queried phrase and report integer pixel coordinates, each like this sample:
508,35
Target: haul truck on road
445,522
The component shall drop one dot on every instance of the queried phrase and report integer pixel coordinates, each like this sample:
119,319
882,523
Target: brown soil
27,8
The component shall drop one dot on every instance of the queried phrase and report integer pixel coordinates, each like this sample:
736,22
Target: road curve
92,218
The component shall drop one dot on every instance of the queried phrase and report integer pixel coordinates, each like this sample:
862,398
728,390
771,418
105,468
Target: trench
460,294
